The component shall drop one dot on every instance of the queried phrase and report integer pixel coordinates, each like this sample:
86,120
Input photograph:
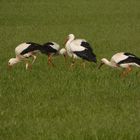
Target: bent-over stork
124,60
23,52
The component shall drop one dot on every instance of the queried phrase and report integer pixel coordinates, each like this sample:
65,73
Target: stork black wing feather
86,45
130,54
130,59
32,47
87,55
47,48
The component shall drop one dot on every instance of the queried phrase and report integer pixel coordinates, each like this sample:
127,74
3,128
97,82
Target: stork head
104,60
69,38
63,51
12,61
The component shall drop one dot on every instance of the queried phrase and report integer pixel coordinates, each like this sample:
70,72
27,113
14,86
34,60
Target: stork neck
17,59
69,41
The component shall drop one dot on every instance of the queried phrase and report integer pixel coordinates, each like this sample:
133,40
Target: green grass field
59,103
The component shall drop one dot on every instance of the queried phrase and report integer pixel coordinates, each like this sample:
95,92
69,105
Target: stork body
50,49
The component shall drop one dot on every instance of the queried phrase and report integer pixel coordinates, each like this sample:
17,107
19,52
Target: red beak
100,65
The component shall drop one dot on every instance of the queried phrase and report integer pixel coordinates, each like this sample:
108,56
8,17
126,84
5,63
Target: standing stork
23,52
79,48
124,60
50,49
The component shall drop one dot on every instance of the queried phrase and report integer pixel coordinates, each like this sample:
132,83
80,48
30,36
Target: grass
58,103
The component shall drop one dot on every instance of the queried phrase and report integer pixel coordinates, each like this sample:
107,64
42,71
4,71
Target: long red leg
50,60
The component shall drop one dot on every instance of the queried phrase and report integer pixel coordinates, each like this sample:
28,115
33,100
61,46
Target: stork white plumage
23,52
79,48
124,60
50,49
62,51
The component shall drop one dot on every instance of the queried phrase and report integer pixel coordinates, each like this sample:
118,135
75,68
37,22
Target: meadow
60,103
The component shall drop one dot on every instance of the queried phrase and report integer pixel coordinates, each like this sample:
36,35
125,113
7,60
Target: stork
79,49
23,52
124,60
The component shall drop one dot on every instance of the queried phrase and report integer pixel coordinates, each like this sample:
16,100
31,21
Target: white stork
79,48
124,60
23,52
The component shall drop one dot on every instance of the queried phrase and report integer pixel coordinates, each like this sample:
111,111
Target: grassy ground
58,103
